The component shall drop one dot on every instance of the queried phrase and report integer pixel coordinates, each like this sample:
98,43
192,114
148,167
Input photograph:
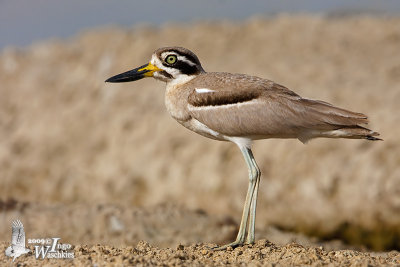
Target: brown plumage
247,106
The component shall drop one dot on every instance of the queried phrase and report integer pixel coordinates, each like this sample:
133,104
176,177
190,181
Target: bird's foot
234,244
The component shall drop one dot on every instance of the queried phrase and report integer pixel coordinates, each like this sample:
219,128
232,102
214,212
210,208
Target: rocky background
80,152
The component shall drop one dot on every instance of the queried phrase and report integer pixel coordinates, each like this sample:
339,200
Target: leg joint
254,173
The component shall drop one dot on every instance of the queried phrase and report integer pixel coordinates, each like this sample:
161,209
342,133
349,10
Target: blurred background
104,163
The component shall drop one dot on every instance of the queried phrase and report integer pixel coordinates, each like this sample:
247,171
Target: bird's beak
146,70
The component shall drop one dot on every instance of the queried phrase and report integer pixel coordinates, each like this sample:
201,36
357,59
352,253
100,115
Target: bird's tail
335,122
354,132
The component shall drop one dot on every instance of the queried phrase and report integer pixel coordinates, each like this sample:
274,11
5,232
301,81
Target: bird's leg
249,208
252,218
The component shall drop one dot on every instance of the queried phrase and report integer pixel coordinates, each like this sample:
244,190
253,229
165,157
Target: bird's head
9,251
167,64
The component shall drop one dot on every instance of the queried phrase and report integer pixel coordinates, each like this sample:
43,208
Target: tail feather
335,115
335,122
356,132
371,138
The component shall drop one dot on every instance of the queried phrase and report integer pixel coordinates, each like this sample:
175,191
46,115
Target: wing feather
247,106
218,98
262,109
18,234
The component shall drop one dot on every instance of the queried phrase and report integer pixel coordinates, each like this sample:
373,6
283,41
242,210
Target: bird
241,108
17,247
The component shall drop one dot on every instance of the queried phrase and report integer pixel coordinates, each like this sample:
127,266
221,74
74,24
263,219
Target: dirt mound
186,238
260,254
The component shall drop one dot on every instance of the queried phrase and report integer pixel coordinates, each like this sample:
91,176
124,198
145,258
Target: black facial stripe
183,67
166,74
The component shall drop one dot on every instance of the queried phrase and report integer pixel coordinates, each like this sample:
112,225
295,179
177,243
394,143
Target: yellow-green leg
252,219
247,224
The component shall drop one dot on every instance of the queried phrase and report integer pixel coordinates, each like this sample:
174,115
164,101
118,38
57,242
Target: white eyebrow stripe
184,59
203,90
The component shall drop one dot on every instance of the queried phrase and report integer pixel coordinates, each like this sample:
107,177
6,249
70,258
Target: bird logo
17,247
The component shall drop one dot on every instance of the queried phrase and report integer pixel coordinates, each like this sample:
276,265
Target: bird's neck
179,81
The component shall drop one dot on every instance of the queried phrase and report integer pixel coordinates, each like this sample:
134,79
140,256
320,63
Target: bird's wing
18,234
261,108
204,98
219,89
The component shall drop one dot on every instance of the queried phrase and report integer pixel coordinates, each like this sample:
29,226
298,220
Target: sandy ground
183,238
263,253
96,163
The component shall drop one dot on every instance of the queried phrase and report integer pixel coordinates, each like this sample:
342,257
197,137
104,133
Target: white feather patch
203,90
203,128
241,142
182,58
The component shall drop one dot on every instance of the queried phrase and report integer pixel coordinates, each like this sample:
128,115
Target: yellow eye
171,59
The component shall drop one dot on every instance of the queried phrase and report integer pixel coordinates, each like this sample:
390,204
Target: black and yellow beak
146,70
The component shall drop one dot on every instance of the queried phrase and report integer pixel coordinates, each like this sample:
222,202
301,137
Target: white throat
180,80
